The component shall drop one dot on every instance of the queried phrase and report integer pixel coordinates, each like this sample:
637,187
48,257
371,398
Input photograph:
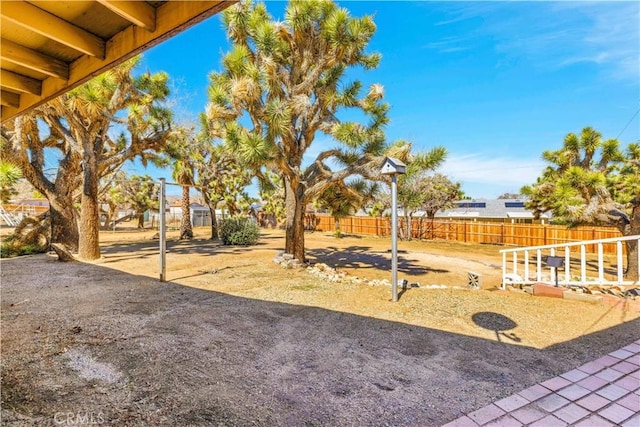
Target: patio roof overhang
48,48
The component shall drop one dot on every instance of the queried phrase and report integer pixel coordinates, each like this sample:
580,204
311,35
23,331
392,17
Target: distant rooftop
484,208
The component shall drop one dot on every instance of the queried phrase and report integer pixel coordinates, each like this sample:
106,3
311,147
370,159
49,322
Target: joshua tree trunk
89,245
212,211
294,226
141,220
632,229
64,224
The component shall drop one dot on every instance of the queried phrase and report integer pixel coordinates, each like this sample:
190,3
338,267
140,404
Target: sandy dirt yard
233,339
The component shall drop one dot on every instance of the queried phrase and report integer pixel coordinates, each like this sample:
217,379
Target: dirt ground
234,339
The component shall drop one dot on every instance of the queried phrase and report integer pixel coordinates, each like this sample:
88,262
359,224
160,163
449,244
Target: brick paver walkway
601,393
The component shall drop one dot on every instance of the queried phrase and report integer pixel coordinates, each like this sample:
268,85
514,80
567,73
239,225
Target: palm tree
186,150
183,172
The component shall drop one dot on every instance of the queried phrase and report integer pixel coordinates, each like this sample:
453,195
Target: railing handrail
580,243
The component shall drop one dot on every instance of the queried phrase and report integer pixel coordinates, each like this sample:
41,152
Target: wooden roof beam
25,57
9,99
20,83
139,13
37,20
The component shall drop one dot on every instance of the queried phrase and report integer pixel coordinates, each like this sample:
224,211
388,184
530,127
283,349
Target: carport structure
48,48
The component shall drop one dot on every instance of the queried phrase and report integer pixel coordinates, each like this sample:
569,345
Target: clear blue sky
496,83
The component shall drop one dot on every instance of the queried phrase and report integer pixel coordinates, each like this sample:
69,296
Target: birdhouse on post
392,166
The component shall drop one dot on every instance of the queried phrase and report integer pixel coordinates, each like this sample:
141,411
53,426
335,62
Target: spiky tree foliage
342,200
137,192
282,83
10,174
221,177
439,193
410,194
271,192
112,195
592,181
77,125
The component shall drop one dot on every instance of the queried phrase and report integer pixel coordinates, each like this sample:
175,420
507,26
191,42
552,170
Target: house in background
500,210
200,215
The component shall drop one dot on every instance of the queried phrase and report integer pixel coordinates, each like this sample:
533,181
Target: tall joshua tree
282,83
592,181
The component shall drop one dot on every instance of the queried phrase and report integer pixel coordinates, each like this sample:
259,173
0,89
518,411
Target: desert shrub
239,231
11,247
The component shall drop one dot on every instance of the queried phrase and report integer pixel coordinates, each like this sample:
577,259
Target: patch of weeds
12,247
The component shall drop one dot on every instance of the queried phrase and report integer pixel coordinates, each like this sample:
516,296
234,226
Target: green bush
12,247
239,231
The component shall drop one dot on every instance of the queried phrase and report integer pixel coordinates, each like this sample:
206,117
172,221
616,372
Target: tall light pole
394,167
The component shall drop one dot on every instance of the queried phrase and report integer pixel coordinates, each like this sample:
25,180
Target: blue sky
496,83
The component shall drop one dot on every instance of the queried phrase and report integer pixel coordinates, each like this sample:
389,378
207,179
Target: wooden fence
471,231
24,210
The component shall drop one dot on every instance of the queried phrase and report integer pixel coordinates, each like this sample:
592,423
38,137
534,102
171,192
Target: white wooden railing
523,272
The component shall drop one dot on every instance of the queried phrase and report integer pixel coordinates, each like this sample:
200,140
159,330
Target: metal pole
161,233
394,238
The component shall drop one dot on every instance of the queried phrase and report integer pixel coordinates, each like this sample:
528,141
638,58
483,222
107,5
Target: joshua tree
77,125
591,181
283,82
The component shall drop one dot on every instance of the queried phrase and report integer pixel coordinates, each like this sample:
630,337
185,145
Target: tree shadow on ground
137,351
364,257
151,248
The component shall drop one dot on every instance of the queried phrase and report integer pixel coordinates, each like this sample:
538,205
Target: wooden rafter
33,60
9,99
37,48
20,83
37,20
136,12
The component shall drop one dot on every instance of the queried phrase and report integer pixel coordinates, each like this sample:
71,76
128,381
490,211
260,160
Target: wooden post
464,231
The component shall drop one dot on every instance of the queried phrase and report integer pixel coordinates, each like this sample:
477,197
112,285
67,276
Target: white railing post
552,270
539,266
567,265
600,262
526,265
583,263
504,269
619,256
